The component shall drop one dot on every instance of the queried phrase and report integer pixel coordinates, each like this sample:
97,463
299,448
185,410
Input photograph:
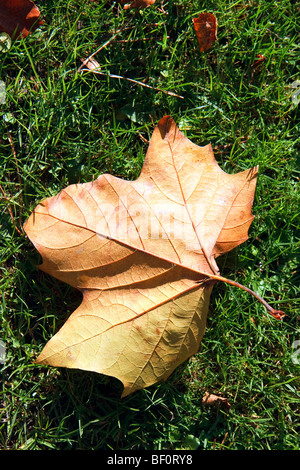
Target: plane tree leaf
143,254
19,17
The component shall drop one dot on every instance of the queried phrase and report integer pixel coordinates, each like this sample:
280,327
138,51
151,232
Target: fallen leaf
206,30
137,4
210,399
19,17
260,58
143,255
257,63
91,64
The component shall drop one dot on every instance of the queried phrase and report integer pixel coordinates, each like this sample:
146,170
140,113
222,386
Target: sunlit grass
60,127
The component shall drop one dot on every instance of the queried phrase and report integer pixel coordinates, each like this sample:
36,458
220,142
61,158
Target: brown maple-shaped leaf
143,255
19,17
206,30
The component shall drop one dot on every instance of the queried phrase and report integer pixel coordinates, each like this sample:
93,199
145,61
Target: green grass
68,127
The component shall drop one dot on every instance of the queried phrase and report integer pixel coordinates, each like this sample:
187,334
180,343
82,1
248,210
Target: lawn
60,126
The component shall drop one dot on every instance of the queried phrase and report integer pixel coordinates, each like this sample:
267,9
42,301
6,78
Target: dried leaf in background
210,399
206,30
137,4
19,17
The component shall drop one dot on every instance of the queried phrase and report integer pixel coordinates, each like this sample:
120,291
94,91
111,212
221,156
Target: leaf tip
278,314
166,127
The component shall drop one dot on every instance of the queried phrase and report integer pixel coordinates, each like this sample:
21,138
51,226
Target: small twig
104,45
143,139
15,156
132,80
223,441
96,52
124,41
13,149
10,211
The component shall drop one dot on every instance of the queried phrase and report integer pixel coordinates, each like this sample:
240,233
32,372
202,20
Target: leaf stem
278,314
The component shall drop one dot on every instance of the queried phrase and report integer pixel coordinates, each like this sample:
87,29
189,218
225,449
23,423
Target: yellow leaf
143,255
